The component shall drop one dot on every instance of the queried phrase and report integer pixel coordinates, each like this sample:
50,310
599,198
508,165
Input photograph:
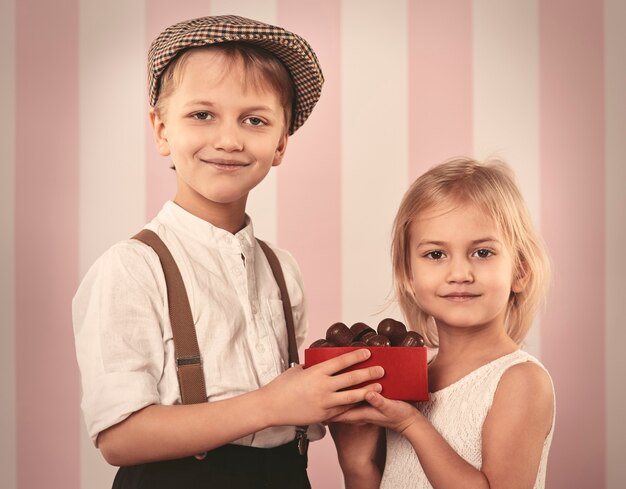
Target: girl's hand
395,415
305,396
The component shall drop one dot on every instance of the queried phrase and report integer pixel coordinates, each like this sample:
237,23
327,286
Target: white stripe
506,97
261,10
7,244
263,200
615,334
113,114
374,150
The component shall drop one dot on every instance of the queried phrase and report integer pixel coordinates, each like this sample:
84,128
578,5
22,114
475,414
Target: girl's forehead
454,217
444,208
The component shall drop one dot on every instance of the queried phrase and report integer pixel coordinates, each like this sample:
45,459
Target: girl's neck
460,354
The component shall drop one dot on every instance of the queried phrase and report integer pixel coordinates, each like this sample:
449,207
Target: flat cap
292,50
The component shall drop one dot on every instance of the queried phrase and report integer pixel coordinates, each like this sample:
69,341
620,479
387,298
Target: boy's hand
395,415
305,396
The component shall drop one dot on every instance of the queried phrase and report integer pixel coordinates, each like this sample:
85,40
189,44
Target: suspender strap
302,439
188,360
277,271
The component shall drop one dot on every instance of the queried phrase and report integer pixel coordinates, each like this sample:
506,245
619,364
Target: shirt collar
192,227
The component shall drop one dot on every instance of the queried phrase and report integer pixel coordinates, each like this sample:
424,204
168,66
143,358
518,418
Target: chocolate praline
412,339
392,329
378,340
361,330
339,334
321,343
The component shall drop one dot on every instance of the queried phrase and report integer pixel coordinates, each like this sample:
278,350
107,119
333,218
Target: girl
470,272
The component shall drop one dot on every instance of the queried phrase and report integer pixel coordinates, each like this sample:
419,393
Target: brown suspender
188,359
301,435
284,295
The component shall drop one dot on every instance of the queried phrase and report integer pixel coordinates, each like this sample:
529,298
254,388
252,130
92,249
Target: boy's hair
262,70
491,187
288,48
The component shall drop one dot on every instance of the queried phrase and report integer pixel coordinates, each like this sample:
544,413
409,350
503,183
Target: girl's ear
160,133
521,279
281,147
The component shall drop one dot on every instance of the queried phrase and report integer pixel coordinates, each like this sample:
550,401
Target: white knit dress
458,413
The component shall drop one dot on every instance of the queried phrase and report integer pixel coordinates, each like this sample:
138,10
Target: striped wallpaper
409,83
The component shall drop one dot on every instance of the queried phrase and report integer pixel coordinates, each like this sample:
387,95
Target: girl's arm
513,434
296,397
361,453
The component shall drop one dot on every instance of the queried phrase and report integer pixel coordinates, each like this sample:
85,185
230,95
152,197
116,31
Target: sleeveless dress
457,412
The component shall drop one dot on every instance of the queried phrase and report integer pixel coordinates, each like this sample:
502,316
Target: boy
226,92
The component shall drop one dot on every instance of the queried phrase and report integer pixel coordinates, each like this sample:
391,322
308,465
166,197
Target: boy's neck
229,217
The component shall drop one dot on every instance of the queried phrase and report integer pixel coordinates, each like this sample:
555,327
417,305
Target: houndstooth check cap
294,52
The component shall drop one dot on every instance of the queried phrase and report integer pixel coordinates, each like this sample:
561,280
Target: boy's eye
483,253
201,116
254,121
434,255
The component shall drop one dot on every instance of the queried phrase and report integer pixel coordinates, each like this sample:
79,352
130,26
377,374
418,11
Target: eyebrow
432,242
208,103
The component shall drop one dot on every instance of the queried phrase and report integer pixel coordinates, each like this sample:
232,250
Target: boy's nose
227,137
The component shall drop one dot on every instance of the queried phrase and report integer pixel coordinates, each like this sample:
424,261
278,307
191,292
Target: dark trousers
228,467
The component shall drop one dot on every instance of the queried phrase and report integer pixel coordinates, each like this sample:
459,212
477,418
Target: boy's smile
223,136
462,270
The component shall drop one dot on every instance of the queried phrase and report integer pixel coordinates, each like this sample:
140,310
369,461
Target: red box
406,371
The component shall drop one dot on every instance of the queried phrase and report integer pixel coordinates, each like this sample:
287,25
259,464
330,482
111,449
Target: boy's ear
280,150
160,133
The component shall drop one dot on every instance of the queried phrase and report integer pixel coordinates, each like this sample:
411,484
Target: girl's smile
462,271
460,296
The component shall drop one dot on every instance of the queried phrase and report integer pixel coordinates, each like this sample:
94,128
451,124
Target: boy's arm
296,397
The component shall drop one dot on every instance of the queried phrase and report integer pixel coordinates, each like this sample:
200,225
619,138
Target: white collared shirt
123,333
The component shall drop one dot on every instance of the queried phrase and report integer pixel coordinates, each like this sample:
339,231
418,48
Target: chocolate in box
406,372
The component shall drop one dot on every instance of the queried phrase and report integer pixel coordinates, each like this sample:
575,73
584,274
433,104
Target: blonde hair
491,187
262,70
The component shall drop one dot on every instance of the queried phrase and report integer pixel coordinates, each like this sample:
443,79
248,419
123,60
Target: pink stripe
160,179
440,82
46,236
572,151
309,205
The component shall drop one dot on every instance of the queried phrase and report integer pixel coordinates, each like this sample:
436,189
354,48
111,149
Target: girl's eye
483,253
201,116
254,121
434,255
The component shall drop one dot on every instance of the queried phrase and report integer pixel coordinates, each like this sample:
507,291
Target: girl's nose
460,271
